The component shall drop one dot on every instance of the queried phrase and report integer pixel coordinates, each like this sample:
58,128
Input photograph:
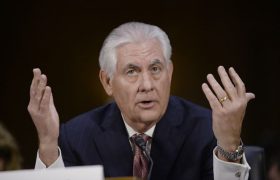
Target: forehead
146,50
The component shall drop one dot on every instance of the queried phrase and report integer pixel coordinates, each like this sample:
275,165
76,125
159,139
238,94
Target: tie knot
143,136
140,140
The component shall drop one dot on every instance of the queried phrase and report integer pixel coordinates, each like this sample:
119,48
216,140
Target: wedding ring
223,99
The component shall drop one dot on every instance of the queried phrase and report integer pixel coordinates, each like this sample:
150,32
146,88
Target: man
136,70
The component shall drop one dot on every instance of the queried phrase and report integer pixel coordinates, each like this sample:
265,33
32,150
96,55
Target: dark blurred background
63,38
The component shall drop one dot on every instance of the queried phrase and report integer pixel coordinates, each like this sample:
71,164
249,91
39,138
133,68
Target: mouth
146,104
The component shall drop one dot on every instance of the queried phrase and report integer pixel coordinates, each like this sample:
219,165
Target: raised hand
228,102
45,117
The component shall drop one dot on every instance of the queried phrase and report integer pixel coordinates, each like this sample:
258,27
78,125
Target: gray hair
130,32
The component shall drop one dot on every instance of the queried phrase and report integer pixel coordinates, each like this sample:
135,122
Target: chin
150,117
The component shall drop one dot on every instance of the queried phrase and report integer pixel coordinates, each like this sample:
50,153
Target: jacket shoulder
189,108
91,119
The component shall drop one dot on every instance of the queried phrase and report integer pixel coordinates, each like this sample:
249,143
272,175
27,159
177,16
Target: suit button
238,174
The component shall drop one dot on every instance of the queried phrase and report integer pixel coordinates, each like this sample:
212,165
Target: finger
41,88
52,107
212,99
35,81
240,86
45,103
51,100
229,87
218,90
33,88
250,96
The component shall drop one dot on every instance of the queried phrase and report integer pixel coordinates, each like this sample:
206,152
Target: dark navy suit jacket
182,144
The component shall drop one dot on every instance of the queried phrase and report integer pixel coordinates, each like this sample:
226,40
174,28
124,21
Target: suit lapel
114,146
167,142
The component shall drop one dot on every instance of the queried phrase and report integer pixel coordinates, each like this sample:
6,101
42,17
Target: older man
145,126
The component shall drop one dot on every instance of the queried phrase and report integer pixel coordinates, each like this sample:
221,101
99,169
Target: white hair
131,32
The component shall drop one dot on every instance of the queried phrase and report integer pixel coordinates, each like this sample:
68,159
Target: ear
106,82
170,70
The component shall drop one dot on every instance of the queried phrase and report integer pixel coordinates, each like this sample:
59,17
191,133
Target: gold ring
223,99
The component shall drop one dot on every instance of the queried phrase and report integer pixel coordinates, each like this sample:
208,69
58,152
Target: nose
146,82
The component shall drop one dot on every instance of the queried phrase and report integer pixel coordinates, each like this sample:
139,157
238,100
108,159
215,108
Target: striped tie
140,161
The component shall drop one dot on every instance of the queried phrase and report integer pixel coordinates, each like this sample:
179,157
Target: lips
146,104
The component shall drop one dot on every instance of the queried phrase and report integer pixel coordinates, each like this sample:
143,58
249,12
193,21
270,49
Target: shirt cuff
57,164
229,170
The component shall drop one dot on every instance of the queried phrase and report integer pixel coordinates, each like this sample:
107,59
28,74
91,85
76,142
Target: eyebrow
133,66
156,61
130,66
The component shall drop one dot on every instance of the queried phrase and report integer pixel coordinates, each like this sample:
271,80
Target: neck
138,126
141,127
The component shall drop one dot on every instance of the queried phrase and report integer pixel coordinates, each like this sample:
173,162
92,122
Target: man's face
141,82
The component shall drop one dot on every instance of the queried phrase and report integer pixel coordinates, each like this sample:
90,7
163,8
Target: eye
156,69
131,72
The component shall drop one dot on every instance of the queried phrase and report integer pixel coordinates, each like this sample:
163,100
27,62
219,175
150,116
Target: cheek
118,86
164,85
123,91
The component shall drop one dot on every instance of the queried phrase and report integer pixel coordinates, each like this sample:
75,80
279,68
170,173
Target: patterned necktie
140,161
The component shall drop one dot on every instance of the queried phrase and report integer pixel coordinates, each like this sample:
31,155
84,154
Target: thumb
51,100
250,96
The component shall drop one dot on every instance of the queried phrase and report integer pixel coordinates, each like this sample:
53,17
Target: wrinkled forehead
144,50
